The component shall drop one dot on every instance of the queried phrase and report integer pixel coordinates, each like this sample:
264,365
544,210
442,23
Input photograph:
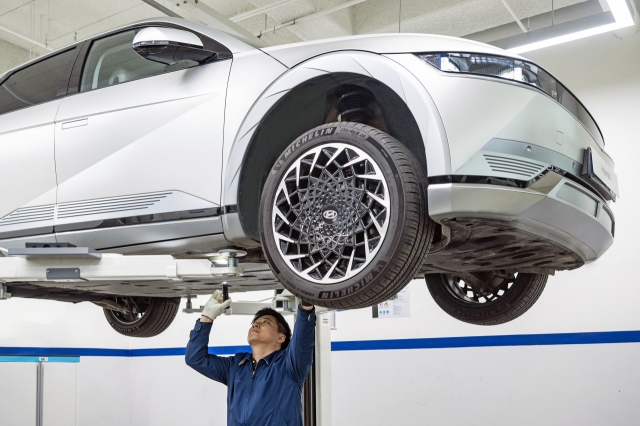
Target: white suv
344,167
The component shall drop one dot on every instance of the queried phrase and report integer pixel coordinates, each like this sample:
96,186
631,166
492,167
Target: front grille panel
523,168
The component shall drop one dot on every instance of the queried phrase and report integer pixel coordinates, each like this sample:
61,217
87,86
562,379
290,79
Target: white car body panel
293,54
145,122
251,74
29,193
384,69
513,109
176,142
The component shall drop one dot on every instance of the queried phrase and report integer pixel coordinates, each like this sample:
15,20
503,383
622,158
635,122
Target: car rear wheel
142,316
343,216
486,298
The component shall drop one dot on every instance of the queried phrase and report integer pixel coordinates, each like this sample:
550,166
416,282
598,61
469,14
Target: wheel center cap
330,214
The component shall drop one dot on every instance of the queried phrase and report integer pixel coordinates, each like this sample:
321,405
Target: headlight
514,70
494,66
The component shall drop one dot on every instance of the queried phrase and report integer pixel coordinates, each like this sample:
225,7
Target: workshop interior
447,182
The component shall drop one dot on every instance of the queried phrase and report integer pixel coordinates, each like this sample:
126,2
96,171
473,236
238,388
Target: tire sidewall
370,274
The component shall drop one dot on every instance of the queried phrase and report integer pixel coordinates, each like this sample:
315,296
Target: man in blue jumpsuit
264,386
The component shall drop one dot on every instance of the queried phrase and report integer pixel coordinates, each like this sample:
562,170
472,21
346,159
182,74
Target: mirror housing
170,46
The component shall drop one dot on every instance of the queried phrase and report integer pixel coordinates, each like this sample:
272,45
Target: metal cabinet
38,391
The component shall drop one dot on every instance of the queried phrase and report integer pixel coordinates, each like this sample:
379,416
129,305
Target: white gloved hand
215,306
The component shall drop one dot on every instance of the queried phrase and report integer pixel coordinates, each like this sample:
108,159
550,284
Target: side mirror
169,46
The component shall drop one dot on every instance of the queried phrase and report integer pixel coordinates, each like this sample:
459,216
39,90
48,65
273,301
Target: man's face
265,331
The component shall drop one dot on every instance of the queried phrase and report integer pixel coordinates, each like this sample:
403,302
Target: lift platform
63,266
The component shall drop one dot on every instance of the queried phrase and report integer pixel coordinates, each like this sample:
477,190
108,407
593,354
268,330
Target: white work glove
215,306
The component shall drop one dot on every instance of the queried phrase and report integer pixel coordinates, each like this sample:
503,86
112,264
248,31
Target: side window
35,84
112,60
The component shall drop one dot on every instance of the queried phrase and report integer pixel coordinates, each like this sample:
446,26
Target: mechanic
264,386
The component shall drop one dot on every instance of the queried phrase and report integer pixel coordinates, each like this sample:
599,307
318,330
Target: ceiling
57,23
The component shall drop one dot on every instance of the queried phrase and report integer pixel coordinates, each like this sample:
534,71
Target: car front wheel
343,216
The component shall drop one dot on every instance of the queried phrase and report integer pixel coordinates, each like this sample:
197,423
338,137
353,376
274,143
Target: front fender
379,67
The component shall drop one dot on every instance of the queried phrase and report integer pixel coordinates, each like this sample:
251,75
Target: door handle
75,123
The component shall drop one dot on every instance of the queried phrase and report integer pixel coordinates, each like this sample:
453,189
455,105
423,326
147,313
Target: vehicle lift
54,264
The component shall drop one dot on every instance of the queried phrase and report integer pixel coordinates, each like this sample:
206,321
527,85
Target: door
140,139
38,391
18,393
59,393
29,99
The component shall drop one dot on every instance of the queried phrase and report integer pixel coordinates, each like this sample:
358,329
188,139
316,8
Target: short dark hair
283,326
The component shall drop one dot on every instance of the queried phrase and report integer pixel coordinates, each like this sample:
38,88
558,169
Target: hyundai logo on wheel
329,214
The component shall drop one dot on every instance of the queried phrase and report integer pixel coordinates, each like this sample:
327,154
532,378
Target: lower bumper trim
551,214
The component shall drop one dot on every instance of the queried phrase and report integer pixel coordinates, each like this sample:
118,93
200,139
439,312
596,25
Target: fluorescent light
621,14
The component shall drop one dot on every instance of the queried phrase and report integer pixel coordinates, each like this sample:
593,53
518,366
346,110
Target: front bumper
554,208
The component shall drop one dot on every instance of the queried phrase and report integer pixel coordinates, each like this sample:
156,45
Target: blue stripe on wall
67,359
487,341
215,350
66,352
63,351
364,345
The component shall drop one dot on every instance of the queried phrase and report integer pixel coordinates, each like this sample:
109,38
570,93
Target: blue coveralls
270,396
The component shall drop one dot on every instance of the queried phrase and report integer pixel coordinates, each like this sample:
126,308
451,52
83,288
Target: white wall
535,385
544,385
581,384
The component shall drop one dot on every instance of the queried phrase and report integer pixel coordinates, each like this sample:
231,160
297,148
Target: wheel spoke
333,267
378,199
294,256
352,162
350,265
366,246
333,157
283,217
283,188
472,288
375,222
315,158
287,239
311,268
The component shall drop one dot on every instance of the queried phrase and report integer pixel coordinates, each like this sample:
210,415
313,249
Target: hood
292,54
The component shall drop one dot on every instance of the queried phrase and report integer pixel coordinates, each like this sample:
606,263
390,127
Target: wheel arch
299,99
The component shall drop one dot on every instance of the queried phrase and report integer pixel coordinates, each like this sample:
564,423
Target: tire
508,300
155,315
335,216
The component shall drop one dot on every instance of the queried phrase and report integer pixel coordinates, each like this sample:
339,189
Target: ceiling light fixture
622,17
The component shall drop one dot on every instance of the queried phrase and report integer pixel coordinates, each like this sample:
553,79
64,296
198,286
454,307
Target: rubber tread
157,319
520,300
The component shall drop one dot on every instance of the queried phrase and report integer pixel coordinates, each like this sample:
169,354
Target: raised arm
197,356
300,349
